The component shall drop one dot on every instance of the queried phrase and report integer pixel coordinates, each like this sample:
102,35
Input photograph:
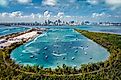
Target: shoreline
95,70
19,37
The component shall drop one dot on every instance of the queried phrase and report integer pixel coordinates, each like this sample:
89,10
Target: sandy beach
26,36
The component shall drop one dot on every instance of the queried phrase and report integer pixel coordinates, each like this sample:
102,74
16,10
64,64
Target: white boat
21,54
36,58
73,58
76,51
85,53
45,48
46,57
32,56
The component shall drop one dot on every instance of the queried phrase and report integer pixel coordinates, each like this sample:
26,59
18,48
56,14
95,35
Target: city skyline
37,10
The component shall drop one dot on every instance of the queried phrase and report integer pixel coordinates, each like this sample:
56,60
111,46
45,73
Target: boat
43,52
57,38
46,57
69,46
21,54
76,51
45,48
63,58
36,58
54,51
32,56
90,57
73,58
85,53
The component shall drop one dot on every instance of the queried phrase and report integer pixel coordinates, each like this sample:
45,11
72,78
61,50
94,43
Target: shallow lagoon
59,46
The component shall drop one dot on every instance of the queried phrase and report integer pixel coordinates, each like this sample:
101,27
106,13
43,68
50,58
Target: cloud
19,16
113,3
13,14
4,14
3,3
24,1
95,15
49,2
16,14
60,14
46,14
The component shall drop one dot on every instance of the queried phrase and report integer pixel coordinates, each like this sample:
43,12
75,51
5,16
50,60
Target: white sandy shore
18,38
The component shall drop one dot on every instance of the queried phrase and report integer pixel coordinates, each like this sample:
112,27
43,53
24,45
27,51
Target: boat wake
30,50
58,55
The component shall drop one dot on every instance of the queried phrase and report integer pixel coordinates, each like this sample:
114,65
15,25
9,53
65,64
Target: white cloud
16,14
49,2
113,3
24,1
95,15
47,14
60,14
4,14
94,2
13,14
3,3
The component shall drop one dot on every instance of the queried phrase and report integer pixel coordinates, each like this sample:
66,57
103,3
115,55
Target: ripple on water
58,47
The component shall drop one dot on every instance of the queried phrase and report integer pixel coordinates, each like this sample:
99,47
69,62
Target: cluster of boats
56,53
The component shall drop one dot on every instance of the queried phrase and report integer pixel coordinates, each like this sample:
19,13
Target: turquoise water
8,30
59,46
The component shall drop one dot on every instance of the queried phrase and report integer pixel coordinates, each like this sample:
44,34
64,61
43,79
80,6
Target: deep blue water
59,46
8,30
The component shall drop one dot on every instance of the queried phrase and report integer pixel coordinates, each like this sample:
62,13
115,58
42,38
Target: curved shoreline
33,53
113,62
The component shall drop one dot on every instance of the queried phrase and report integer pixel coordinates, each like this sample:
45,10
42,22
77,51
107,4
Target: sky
38,10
